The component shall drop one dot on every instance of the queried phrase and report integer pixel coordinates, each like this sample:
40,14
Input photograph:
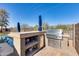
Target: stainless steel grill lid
55,33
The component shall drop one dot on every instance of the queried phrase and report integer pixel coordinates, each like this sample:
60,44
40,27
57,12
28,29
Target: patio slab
5,49
50,51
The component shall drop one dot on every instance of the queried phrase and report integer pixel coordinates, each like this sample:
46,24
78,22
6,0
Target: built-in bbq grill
54,37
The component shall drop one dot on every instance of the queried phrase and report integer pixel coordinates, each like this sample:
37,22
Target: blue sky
51,13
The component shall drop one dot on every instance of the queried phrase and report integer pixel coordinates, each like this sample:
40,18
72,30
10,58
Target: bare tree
3,18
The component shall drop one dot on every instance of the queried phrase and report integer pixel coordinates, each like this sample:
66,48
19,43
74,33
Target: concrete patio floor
65,50
50,51
5,49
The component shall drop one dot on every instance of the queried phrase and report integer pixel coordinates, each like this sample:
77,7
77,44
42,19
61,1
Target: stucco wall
16,42
77,37
19,40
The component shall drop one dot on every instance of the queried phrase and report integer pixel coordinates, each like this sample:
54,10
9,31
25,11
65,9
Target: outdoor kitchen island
28,43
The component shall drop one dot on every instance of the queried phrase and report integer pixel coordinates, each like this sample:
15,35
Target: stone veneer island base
28,43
